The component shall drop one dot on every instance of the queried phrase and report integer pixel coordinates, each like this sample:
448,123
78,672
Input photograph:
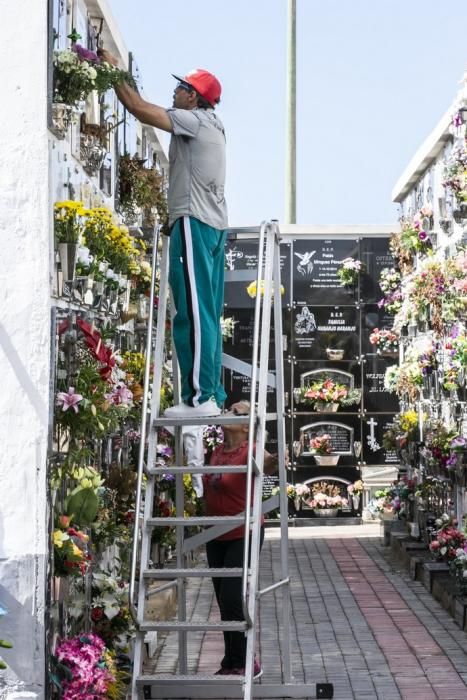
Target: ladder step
189,679
233,572
198,520
206,420
159,471
190,626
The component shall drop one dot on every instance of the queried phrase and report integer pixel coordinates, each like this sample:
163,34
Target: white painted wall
24,342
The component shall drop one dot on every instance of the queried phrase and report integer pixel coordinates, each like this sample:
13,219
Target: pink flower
69,399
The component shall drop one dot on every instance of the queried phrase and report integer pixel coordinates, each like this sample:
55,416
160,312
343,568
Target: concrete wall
24,342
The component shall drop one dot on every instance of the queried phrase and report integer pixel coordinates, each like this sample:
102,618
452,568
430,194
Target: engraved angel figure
305,266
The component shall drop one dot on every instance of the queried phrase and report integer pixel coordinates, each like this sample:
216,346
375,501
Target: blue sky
373,79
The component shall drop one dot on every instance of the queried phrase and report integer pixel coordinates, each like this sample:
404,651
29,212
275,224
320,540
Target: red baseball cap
205,84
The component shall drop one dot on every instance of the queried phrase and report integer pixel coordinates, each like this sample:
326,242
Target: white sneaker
206,409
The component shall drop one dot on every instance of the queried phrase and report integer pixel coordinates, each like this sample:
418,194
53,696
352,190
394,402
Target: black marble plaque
373,317
317,331
341,436
373,428
375,256
302,423
237,387
306,373
315,264
269,482
375,397
241,269
241,343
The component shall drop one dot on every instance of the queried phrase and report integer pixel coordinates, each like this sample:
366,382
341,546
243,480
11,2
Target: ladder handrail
144,415
252,424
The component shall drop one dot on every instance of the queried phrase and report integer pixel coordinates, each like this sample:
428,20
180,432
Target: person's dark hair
202,103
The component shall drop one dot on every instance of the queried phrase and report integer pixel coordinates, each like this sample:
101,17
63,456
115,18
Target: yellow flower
59,538
76,551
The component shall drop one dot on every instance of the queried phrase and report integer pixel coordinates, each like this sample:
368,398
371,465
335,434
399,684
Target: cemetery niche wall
328,317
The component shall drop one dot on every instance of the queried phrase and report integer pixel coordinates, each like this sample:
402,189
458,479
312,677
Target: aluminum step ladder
184,684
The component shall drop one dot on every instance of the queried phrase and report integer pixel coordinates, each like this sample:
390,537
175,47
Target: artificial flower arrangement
78,71
71,555
390,283
448,539
326,392
356,488
84,668
349,271
302,491
252,291
385,340
443,447
404,379
227,327
326,495
455,173
413,236
213,436
321,444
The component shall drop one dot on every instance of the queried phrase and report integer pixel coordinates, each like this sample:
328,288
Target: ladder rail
265,328
144,415
253,421
281,442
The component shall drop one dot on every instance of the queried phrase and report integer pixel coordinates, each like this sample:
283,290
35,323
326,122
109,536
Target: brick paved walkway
358,621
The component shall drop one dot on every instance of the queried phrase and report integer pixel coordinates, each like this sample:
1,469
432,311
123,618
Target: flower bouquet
227,327
355,490
327,395
386,341
252,290
321,448
83,667
349,271
390,283
326,500
449,539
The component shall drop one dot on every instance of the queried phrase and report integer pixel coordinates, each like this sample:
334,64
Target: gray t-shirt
197,167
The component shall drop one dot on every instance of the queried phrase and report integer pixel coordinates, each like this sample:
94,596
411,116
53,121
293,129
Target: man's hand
107,56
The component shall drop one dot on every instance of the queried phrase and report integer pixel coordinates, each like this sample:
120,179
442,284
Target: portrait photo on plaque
325,332
375,256
374,426
375,397
315,264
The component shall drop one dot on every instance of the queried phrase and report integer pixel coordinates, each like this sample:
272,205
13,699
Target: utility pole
291,150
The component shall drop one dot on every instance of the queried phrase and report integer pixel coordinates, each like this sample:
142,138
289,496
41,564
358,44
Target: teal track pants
196,277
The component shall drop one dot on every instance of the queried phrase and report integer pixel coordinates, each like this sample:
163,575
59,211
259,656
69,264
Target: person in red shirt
225,494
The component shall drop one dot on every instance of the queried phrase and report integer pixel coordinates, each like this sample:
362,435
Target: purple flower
422,235
85,54
69,399
457,120
458,442
381,303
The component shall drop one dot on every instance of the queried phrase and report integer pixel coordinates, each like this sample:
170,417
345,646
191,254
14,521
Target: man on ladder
197,223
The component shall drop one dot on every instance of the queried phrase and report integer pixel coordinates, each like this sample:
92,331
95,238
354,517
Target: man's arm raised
150,114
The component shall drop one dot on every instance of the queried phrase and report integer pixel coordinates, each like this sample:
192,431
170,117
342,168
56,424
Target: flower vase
335,353
326,407
356,502
92,153
326,460
386,515
60,588
68,253
130,313
61,119
325,512
297,503
143,308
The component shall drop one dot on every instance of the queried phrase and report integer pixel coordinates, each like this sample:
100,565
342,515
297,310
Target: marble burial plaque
373,317
373,429
237,387
317,331
342,436
375,396
241,269
241,343
315,264
375,255
269,482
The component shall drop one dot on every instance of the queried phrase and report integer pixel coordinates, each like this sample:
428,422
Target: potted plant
321,448
328,395
141,190
326,500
